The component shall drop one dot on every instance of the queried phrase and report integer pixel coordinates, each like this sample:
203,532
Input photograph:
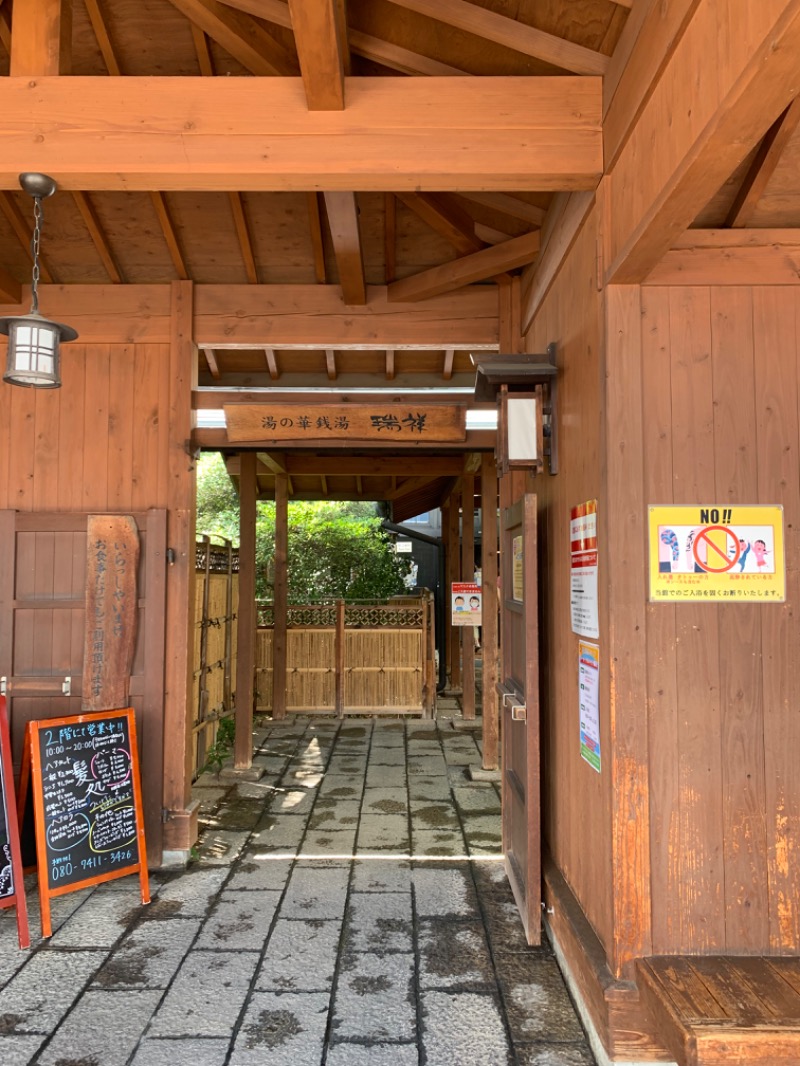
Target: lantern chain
38,214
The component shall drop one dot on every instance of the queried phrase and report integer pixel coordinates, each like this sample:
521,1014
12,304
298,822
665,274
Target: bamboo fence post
280,598
339,655
246,639
202,685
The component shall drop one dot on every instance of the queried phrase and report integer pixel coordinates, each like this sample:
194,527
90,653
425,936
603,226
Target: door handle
519,713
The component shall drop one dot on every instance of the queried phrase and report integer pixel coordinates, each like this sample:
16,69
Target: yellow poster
518,573
714,553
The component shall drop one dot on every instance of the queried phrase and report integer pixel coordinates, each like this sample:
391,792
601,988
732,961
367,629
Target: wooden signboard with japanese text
395,423
111,610
87,802
12,887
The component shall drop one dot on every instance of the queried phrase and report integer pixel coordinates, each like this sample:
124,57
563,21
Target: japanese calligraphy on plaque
111,609
396,423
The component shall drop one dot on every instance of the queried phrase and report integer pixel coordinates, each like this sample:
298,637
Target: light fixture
33,341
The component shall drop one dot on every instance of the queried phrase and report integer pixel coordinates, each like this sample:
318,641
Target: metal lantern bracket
532,376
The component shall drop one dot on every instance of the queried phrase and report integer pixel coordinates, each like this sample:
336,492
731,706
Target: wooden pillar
280,598
246,628
491,717
339,654
180,829
446,651
468,574
453,571
41,38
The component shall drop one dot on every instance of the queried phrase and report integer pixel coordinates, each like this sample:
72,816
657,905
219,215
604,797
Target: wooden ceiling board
87,59
281,236
780,204
718,208
130,224
584,22
207,236
150,37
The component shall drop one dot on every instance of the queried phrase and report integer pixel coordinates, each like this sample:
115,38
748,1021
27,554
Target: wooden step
734,1010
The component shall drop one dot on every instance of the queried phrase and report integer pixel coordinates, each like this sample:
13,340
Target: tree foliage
336,550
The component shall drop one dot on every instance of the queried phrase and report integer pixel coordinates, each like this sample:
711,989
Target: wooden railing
352,658
216,605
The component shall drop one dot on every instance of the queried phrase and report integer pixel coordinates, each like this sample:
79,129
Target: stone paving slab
350,1054
431,814
379,923
239,921
445,892
374,998
19,1050
149,956
377,875
301,957
316,893
39,996
454,956
261,869
279,832
386,776
220,847
84,1035
190,894
536,1000
340,842
444,842
447,1040
209,1052
334,814
385,800
382,832
282,1030
209,991
539,1055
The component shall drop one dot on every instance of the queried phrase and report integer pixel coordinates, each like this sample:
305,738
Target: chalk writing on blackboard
12,886
87,802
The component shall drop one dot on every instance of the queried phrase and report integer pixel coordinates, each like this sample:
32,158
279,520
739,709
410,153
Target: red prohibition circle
729,563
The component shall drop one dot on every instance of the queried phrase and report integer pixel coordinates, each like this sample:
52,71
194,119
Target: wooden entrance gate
42,609
519,694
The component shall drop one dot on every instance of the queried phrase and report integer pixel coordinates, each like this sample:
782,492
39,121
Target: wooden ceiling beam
419,134
445,218
373,465
159,202
324,483
517,252
243,236
240,35
567,213
754,87
410,484
102,37
272,363
387,54
763,166
41,38
10,288
447,368
24,233
330,364
731,257
205,60
317,25
342,212
211,360
507,205
317,246
273,461
510,33
99,238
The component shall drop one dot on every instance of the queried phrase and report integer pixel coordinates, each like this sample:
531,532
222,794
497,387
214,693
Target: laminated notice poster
589,702
583,570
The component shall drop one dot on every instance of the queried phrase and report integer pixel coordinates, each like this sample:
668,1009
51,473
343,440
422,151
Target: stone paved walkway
305,934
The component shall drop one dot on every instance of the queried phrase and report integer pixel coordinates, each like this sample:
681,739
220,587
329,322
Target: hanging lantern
33,341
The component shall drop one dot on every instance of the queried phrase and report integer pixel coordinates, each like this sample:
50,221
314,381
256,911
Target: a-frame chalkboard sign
87,802
12,887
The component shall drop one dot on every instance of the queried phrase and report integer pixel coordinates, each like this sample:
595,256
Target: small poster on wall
589,702
466,603
583,570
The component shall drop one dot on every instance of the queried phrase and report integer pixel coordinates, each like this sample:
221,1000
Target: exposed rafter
5,31
243,235
315,227
159,203
508,205
205,60
272,363
471,268
390,368
10,288
342,212
244,37
446,218
321,51
330,364
447,368
763,166
211,360
510,33
102,37
99,238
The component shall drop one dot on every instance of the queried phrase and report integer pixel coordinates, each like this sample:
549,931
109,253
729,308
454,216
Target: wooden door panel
42,611
519,692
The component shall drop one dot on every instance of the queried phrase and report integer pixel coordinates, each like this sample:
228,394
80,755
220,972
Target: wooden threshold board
731,1009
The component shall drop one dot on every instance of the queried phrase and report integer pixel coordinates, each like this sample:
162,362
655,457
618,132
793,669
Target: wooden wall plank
69,496
776,319
700,878
625,525
120,428
662,679
22,442
95,431
742,712
45,465
146,450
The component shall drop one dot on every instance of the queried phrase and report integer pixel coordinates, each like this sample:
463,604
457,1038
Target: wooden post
41,38
339,654
491,718
246,631
468,574
280,598
453,571
201,737
446,650
227,685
